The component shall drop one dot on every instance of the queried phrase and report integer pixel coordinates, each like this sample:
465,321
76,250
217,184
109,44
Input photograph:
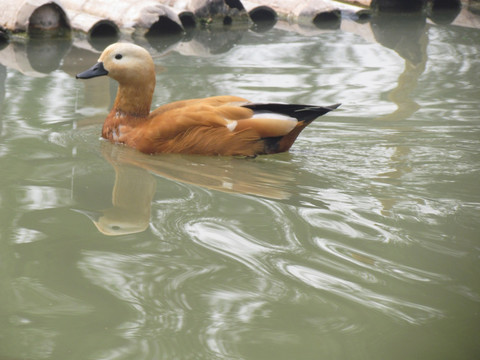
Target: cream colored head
127,63
133,67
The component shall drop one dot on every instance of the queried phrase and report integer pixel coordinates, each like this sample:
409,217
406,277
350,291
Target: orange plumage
219,125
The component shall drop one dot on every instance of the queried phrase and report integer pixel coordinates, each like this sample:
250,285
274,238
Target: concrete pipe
263,16
320,13
209,12
128,15
39,18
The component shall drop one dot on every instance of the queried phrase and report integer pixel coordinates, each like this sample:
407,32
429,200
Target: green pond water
362,242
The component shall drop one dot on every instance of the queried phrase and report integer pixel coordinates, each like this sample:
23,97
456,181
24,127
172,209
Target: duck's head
127,63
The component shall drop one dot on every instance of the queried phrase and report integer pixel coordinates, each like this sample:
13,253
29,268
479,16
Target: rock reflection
35,57
202,43
407,36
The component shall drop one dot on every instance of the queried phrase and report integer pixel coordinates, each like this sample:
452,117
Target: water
360,243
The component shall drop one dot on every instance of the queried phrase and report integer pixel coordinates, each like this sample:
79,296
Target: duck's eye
118,56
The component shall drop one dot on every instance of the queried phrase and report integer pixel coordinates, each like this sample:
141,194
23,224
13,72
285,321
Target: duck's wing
198,126
278,119
299,112
212,101
224,125
234,113
300,116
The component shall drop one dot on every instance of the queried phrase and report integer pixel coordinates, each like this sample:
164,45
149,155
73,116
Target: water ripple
342,218
378,264
389,305
231,242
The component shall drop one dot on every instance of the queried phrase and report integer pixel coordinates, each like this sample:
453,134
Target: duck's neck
134,100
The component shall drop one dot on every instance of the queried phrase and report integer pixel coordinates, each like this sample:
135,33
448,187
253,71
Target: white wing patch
266,124
231,124
269,115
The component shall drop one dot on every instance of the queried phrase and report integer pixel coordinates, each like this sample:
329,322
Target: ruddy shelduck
218,125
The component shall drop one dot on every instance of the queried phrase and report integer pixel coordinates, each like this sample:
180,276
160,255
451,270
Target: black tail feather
305,113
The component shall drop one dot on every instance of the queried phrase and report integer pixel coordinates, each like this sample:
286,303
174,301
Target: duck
224,125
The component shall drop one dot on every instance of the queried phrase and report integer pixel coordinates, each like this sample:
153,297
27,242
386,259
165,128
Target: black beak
94,71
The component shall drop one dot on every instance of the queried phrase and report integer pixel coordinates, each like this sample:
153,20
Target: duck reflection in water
136,178
132,196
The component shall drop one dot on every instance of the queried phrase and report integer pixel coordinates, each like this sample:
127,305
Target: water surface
360,243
